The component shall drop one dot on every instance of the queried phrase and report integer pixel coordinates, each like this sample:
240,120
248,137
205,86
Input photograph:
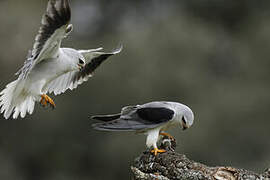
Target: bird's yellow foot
166,134
156,151
45,100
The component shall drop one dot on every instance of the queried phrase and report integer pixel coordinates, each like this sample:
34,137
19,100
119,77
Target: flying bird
48,67
152,119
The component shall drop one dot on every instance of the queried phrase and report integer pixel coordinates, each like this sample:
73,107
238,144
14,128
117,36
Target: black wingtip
106,118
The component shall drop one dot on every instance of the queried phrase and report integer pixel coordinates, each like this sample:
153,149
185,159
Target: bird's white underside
152,135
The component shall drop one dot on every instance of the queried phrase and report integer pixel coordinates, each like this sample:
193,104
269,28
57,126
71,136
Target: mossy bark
172,166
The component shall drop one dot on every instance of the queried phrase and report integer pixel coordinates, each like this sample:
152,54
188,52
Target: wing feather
71,80
54,27
121,125
135,118
93,60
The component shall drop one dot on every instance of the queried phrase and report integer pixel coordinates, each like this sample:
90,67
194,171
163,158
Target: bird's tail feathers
111,126
106,118
121,125
12,100
6,98
26,106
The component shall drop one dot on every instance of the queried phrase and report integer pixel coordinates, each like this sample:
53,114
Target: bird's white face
187,119
184,116
76,58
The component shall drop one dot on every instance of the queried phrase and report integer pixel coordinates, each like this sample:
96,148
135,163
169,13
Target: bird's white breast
44,72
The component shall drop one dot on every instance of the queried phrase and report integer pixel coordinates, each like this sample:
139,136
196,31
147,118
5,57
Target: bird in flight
48,67
152,119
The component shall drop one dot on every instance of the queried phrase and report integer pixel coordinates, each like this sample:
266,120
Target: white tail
12,99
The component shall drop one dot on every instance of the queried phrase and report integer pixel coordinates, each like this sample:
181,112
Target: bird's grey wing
54,27
120,125
71,80
140,119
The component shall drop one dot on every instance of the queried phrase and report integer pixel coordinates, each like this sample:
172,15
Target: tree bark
171,166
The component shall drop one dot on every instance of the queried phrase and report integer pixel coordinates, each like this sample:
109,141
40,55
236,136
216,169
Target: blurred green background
212,55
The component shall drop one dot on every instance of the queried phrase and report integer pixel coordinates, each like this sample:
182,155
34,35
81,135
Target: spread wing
138,119
54,27
93,61
71,80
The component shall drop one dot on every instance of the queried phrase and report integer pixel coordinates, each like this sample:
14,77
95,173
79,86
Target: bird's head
186,117
76,58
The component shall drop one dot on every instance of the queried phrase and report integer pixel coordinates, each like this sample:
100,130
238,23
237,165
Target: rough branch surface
171,166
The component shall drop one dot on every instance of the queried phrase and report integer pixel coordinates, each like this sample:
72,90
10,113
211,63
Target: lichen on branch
173,166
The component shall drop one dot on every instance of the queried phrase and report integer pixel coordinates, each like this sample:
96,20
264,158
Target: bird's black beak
184,126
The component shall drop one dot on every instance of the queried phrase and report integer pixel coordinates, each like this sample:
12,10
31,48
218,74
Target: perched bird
48,67
151,119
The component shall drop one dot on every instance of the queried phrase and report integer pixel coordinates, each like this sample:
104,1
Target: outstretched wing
54,27
93,61
139,119
72,79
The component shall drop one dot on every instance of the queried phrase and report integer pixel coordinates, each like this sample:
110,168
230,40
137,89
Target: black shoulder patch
156,115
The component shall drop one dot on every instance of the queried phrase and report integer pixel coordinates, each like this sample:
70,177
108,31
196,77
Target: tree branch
171,166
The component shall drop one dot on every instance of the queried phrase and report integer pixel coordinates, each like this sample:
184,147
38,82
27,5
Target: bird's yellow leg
51,102
166,134
45,100
156,151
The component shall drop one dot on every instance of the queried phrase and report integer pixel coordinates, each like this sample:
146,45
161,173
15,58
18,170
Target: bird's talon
156,151
45,100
